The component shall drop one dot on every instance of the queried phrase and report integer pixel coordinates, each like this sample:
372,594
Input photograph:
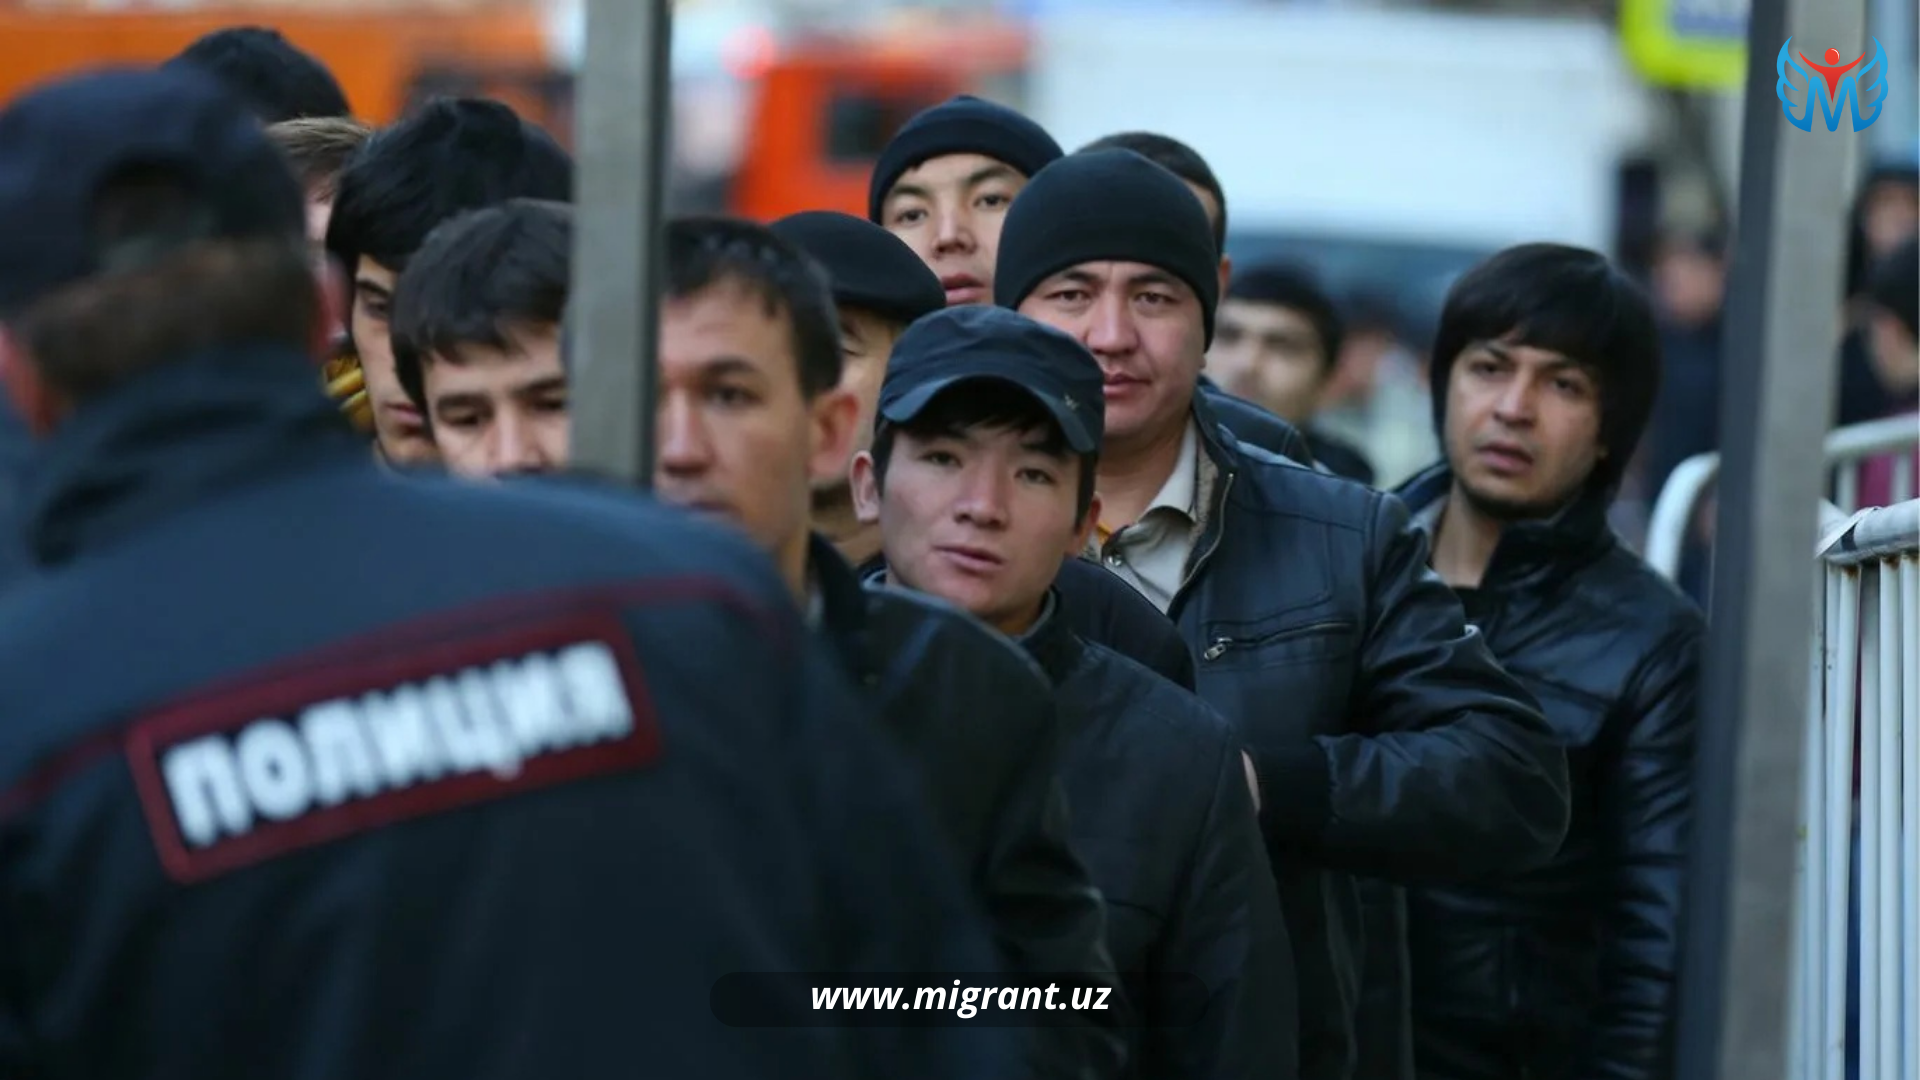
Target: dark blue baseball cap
977,341
63,142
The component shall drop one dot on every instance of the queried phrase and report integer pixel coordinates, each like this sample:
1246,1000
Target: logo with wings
1861,84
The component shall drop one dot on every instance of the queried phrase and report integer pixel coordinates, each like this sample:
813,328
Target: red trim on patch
633,597
230,711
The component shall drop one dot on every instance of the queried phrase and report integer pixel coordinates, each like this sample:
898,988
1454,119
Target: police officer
494,803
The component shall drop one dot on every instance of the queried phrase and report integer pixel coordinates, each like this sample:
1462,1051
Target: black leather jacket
979,716
1253,425
1567,972
1388,741
1163,819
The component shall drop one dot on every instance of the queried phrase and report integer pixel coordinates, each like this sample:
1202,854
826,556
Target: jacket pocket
1261,645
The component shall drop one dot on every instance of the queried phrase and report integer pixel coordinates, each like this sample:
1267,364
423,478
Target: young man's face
980,518
498,411
737,438
396,423
1269,355
1522,428
1146,328
949,210
866,341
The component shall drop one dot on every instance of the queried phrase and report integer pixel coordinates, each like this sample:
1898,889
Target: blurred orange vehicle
385,55
823,109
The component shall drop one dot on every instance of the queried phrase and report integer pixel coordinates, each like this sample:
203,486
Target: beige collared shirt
1151,554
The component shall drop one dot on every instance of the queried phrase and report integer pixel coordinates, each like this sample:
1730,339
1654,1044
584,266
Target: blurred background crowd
1379,147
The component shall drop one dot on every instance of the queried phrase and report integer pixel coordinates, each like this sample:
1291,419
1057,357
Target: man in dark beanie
1386,739
944,183
1544,370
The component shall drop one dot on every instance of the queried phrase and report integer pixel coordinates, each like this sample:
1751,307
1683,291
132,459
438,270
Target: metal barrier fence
1857,955
1847,449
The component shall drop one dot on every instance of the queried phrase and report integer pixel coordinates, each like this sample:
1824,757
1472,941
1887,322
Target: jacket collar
843,606
1051,640
172,436
1528,551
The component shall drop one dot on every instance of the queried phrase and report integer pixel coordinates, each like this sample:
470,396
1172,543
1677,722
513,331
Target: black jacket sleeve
898,905
1449,771
1050,916
1226,978
1644,814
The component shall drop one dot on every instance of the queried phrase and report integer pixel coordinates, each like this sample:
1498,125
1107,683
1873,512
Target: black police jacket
980,719
1566,971
1388,741
1164,820
308,769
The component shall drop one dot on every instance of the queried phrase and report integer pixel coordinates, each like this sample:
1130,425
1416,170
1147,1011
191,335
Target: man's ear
330,291
835,415
33,400
1084,532
865,482
1226,273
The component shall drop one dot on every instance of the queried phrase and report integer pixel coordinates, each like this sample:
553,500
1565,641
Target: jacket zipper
1193,567
1220,645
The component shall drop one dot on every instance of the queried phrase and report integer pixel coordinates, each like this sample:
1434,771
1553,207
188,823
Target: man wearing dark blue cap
945,181
879,287
981,477
1388,741
495,804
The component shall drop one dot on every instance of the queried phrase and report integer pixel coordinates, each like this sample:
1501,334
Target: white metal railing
1865,712
1847,450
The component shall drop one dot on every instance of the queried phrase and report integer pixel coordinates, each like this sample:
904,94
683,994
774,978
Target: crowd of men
990,615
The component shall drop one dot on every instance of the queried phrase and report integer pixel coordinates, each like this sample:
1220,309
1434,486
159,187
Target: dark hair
478,278
1893,284
708,250
991,405
1573,302
1179,159
94,334
319,147
1296,288
453,155
278,80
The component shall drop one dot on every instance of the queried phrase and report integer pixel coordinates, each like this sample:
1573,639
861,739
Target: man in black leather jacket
750,415
1388,741
1545,368
981,476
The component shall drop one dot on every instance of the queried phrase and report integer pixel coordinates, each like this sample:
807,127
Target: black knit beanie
961,125
870,267
1106,205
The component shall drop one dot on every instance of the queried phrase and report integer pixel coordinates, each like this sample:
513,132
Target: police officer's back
310,770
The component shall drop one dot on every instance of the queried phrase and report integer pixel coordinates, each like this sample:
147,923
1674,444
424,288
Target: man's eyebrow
543,385
995,171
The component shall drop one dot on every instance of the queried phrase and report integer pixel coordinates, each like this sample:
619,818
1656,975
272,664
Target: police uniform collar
175,435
